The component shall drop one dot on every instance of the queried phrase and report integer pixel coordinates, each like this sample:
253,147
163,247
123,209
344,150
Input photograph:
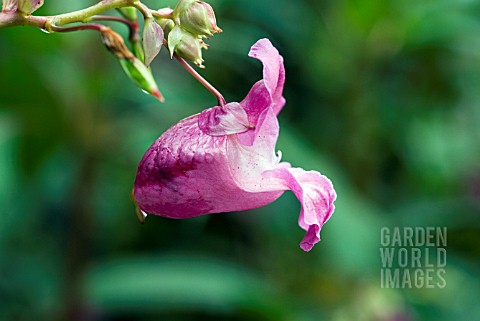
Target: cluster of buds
182,30
191,21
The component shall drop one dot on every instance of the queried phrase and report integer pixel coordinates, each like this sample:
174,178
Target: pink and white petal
273,69
223,120
186,173
264,135
316,194
247,163
268,91
256,101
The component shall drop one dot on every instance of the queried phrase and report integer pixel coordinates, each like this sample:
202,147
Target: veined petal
224,160
316,194
268,91
186,173
248,162
223,120
273,70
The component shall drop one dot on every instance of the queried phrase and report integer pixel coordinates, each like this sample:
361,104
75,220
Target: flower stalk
221,101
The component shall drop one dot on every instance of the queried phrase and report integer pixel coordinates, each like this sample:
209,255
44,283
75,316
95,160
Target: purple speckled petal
224,160
186,173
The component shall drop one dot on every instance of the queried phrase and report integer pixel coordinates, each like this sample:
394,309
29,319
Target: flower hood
224,160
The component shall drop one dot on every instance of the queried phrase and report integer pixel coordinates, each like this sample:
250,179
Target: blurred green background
382,97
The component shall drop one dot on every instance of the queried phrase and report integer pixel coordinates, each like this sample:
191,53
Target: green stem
9,19
162,14
84,14
132,25
145,11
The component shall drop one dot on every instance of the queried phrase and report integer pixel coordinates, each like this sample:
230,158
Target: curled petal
223,120
268,91
316,194
256,168
273,70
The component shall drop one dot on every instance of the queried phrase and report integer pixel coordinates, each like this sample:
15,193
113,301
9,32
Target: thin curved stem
221,101
85,26
132,25
165,13
144,10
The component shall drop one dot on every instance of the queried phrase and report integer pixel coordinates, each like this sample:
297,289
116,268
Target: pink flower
224,160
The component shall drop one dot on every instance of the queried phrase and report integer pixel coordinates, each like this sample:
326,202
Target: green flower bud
196,17
186,45
164,18
167,27
141,76
133,67
181,6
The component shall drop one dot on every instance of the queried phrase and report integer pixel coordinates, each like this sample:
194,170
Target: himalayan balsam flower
224,160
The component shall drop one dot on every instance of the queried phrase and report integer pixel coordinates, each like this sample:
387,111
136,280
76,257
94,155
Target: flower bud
196,17
164,18
29,6
181,6
141,76
152,40
133,67
186,45
167,26
115,44
9,5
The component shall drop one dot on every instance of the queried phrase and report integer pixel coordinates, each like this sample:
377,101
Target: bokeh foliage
382,97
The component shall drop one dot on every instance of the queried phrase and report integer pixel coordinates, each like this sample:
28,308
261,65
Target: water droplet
141,215
45,30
